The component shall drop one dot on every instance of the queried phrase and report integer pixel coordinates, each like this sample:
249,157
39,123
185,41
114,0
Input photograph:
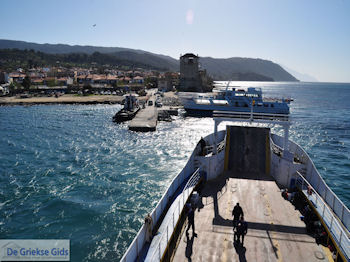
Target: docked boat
232,99
130,109
291,213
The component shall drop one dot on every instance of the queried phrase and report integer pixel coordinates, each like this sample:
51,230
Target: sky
308,36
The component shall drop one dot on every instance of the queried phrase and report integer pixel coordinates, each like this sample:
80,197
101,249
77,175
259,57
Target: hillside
220,69
66,49
225,68
11,59
249,76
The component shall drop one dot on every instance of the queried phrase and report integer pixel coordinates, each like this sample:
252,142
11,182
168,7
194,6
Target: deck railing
314,178
210,148
275,148
338,231
175,213
134,250
137,244
251,116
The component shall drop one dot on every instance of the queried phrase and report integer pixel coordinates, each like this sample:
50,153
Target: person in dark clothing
241,230
203,145
236,212
190,217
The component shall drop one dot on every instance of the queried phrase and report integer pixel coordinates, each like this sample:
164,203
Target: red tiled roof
138,78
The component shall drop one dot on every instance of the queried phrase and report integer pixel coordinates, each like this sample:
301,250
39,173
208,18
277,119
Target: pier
145,120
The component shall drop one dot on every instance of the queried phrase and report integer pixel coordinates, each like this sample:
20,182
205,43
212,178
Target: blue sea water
69,172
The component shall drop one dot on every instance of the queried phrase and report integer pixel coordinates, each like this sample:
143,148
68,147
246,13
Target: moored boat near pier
130,109
232,98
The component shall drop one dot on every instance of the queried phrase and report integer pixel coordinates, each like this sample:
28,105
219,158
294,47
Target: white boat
250,165
234,99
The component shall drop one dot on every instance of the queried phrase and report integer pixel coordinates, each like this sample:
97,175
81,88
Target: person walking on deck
241,230
202,145
236,212
190,217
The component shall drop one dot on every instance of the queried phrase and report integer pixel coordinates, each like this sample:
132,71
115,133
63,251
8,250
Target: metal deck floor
275,231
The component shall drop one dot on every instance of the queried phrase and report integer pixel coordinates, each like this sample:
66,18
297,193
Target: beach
64,99
70,99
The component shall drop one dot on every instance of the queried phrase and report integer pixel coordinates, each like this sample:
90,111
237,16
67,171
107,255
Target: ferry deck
275,230
248,165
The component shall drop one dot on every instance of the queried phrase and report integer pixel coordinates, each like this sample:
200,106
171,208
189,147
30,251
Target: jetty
145,120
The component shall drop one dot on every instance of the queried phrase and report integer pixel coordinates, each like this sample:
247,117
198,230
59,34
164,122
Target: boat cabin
130,101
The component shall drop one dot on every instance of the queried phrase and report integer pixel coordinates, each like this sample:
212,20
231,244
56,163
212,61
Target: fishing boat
236,99
291,213
130,109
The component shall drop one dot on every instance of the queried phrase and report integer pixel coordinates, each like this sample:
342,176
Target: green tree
51,83
12,88
26,83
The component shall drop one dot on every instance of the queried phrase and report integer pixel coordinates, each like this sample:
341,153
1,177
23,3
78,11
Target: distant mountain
139,56
150,59
223,69
220,69
11,59
249,76
300,76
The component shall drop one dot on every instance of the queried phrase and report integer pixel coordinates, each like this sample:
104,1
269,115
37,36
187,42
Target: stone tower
189,73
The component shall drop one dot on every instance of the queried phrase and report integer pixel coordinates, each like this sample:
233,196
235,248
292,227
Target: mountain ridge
218,68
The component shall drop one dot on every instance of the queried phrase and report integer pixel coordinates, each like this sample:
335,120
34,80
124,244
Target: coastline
74,99
64,99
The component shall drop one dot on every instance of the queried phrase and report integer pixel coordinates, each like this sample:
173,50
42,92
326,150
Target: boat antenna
228,84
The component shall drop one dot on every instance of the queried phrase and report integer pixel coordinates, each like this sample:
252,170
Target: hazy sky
308,36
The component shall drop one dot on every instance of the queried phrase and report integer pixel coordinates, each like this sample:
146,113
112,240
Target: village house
167,81
16,77
64,81
112,80
38,81
4,78
138,80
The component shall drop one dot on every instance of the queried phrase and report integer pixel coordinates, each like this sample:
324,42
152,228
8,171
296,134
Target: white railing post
137,247
159,252
183,197
318,185
330,227
302,184
324,207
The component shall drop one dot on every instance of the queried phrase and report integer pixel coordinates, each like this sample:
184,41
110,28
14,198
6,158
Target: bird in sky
94,25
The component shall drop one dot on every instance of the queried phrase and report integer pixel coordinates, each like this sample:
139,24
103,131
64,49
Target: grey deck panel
275,231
